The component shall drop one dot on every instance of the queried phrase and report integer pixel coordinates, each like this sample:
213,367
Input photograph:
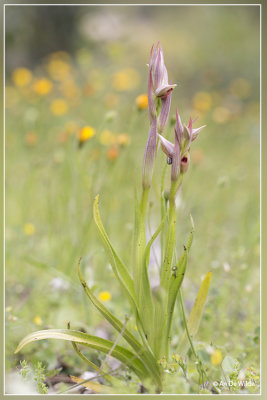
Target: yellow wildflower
240,87
29,229
123,139
37,320
142,101
21,77
42,86
125,79
107,138
216,357
221,115
11,96
202,101
59,107
112,153
104,296
86,133
59,70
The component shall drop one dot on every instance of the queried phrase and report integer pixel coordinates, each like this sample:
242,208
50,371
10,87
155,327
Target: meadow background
76,126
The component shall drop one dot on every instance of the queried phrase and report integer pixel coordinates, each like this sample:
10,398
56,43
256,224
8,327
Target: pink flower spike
158,70
179,129
150,154
190,125
150,96
196,131
164,112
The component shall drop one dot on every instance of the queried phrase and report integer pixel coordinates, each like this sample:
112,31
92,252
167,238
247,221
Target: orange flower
112,153
142,101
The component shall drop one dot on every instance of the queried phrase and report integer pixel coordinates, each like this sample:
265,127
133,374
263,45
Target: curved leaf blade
120,353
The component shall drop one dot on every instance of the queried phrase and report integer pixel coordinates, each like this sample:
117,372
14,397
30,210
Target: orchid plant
152,310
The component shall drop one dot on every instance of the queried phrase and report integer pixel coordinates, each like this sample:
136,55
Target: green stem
163,210
171,235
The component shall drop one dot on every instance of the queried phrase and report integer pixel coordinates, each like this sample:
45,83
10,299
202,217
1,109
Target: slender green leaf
125,356
115,322
118,267
147,310
196,314
175,284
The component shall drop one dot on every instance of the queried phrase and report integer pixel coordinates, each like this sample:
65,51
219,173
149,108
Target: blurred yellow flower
86,133
240,87
42,86
59,107
125,79
107,138
123,139
216,357
202,101
104,296
29,229
31,138
59,70
11,97
142,101
112,153
37,320
21,77
221,115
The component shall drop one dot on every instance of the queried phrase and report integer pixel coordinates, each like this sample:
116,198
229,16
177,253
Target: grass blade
195,315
